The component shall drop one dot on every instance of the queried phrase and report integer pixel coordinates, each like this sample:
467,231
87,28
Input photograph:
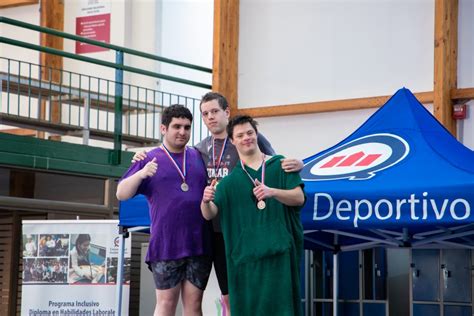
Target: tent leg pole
119,280
335,285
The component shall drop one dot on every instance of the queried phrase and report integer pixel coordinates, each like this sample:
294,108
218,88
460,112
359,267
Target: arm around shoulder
292,164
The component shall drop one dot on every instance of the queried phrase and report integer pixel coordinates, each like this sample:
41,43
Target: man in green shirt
259,205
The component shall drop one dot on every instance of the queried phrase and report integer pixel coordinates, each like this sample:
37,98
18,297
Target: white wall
186,35
301,136
28,14
466,44
117,31
466,65
310,50
174,29
155,27
314,50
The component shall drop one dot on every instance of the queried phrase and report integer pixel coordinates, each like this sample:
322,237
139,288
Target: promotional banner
401,168
70,268
93,22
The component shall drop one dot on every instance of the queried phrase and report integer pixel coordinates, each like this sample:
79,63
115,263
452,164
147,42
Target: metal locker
451,310
456,273
425,274
349,275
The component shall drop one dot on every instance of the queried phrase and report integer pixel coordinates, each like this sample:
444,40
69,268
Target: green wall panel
29,152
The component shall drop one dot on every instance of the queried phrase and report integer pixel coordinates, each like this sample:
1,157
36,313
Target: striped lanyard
217,163
262,166
182,172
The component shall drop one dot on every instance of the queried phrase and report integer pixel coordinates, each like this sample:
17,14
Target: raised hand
291,164
209,192
261,191
149,169
139,156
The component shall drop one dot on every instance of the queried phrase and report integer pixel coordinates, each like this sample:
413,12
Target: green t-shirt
263,247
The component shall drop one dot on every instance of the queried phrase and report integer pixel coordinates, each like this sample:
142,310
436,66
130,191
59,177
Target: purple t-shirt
177,228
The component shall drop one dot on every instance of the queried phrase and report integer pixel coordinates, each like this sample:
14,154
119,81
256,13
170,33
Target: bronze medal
260,204
182,174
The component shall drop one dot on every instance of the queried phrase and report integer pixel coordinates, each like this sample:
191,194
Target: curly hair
175,110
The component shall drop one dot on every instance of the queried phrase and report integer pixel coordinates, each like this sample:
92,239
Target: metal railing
84,105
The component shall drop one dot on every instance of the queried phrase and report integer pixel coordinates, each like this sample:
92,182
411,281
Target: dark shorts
169,273
220,264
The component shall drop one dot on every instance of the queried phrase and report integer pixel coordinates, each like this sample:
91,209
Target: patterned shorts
169,273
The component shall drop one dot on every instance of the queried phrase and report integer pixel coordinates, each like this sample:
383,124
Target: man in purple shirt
173,177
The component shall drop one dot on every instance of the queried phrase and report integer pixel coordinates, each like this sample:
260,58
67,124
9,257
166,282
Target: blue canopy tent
134,214
401,179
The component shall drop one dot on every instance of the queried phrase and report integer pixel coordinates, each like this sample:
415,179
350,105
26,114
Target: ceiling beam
346,104
51,16
19,131
225,50
225,67
445,61
462,94
327,106
16,3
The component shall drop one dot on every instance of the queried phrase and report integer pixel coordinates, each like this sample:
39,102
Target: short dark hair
240,120
215,96
175,110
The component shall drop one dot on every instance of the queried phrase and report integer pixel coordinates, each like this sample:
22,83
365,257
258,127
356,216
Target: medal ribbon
217,163
242,164
182,174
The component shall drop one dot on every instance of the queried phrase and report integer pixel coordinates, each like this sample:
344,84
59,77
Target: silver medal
184,187
261,205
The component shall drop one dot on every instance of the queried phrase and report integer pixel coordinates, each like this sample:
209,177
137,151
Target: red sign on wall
95,27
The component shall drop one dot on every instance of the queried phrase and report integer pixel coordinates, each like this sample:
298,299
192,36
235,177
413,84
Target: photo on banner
70,267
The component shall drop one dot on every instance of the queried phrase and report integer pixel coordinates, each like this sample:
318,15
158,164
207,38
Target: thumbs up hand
209,192
261,191
149,169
